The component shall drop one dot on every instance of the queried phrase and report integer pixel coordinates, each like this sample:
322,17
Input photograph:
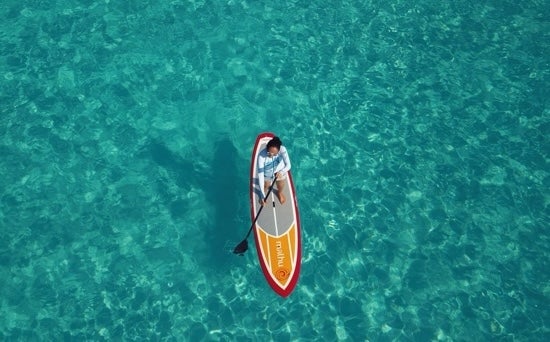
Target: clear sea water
418,132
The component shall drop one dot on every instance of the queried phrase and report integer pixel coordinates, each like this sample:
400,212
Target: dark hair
275,142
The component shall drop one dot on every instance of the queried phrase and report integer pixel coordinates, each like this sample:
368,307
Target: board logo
282,273
280,254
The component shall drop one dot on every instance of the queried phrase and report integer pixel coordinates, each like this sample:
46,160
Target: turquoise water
418,132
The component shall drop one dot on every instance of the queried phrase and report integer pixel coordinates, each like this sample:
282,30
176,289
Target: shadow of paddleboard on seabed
226,195
222,185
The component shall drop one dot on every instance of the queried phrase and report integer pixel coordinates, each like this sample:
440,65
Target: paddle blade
241,247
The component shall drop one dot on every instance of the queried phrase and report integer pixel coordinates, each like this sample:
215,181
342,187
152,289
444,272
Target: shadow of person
185,173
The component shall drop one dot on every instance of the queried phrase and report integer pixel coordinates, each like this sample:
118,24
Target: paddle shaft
260,210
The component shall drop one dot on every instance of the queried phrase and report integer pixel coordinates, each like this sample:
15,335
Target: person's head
273,146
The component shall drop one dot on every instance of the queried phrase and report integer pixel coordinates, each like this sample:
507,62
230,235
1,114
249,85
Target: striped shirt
269,165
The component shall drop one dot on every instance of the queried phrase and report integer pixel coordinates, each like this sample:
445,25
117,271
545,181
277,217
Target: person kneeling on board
273,161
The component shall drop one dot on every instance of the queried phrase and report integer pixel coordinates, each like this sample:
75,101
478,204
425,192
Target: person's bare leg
267,184
280,187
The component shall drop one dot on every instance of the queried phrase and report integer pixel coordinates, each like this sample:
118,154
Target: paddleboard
277,230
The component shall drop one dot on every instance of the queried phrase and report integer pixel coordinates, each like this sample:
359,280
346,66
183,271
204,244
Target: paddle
243,245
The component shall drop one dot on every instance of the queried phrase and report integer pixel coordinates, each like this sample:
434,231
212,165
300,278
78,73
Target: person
273,161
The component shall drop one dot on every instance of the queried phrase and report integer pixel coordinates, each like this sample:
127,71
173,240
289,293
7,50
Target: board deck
277,231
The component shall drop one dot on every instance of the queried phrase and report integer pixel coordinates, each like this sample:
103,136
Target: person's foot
281,197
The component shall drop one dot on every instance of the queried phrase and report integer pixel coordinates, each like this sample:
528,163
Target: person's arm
261,176
286,159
